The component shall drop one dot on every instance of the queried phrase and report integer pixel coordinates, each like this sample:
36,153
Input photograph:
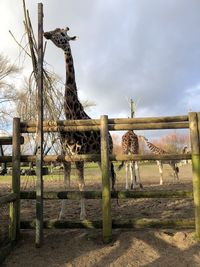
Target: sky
147,50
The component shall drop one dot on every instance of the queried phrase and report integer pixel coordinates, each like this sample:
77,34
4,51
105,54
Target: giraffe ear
73,38
67,28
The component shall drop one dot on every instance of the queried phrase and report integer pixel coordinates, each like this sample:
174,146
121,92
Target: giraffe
75,142
159,151
185,150
130,146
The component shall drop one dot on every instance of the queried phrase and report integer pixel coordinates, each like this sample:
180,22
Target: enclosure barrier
12,199
103,125
194,119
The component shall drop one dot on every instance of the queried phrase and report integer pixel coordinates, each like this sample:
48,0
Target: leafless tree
8,92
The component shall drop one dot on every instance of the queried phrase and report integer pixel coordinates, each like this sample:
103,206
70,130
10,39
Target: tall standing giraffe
75,142
130,146
159,151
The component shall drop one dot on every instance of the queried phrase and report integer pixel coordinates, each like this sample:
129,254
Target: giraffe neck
70,72
154,149
72,106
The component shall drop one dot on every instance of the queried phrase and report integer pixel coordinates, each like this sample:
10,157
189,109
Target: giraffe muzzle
47,35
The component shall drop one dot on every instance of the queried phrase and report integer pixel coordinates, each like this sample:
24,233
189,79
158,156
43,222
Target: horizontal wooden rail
183,118
8,198
96,157
126,223
96,122
111,127
164,157
76,195
62,129
148,126
5,159
7,140
87,122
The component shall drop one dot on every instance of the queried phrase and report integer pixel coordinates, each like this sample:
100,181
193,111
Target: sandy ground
80,248
129,248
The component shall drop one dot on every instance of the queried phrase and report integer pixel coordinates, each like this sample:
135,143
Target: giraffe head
143,138
60,37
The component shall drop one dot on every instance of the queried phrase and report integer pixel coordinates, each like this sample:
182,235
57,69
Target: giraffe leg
175,172
67,172
137,173
80,172
133,177
126,177
99,164
160,167
112,175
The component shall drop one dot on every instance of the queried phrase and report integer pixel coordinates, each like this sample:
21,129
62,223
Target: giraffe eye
62,33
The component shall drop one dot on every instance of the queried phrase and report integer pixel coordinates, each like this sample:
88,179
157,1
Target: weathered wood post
14,228
105,167
39,156
194,123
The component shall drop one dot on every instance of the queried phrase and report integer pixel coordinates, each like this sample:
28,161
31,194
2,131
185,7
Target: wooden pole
76,195
106,198
132,108
8,198
96,122
194,122
14,228
8,140
96,157
143,223
39,156
111,127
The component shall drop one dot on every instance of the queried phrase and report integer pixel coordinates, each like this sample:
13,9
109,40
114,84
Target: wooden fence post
14,228
105,167
39,156
194,124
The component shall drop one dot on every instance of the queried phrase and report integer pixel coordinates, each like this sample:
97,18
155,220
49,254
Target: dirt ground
81,248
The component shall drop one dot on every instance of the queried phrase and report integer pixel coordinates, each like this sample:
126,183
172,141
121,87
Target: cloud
150,53
146,50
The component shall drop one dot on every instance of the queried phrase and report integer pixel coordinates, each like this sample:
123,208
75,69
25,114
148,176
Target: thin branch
19,43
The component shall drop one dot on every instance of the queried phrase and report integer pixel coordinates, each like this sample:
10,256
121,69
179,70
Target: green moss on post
14,227
106,198
194,120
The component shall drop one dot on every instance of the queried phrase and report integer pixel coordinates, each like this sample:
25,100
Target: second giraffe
159,151
130,146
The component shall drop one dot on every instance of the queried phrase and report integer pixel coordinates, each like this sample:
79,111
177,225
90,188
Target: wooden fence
12,199
104,125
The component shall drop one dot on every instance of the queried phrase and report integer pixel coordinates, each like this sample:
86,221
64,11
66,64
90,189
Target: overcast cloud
147,50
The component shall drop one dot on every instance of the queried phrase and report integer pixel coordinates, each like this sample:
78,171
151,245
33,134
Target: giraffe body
87,142
130,146
159,151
